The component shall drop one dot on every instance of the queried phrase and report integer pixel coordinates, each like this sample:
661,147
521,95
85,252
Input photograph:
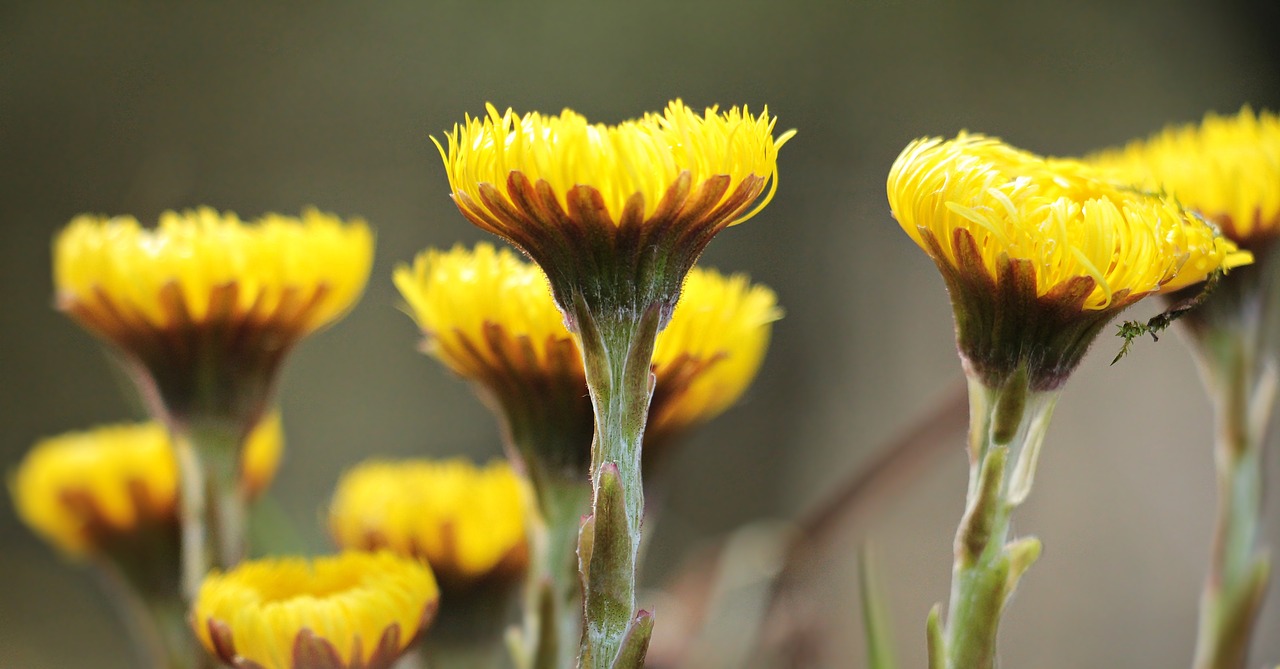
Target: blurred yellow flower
1227,168
490,318
710,352
1050,243
201,266
612,203
467,522
205,304
349,611
82,490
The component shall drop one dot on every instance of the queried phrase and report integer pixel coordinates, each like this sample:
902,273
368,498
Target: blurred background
133,107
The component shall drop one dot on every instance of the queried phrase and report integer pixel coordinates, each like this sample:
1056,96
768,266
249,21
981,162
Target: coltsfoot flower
84,491
205,306
354,610
489,317
618,213
1227,168
1039,254
467,522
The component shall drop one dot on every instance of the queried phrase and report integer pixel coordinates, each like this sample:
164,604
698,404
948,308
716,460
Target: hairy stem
617,350
1243,387
212,506
1007,427
553,600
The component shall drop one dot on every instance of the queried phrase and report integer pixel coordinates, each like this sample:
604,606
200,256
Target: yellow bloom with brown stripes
601,207
85,490
1039,254
467,522
354,610
205,304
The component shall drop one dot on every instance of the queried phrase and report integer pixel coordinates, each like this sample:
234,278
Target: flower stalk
1007,428
553,590
212,507
617,350
1235,338
140,578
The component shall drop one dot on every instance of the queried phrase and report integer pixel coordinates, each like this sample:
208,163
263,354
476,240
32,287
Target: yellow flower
1050,243
1227,168
208,305
85,490
260,458
490,318
710,352
467,522
487,313
601,207
353,610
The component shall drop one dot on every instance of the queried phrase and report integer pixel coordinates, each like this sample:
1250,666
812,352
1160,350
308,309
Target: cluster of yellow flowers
610,340
204,307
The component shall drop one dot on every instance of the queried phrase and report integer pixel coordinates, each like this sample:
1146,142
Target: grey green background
135,107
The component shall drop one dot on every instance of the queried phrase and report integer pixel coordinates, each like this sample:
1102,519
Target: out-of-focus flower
467,522
1227,168
86,490
350,611
710,352
205,305
490,318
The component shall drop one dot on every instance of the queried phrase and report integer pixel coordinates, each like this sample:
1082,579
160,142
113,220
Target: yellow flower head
1227,168
349,611
468,522
601,207
83,491
1052,241
489,317
486,312
205,291
705,359
202,266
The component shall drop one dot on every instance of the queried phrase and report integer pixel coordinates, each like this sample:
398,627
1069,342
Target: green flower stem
1006,423
1244,391
555,576
212,508
142,582
617,351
